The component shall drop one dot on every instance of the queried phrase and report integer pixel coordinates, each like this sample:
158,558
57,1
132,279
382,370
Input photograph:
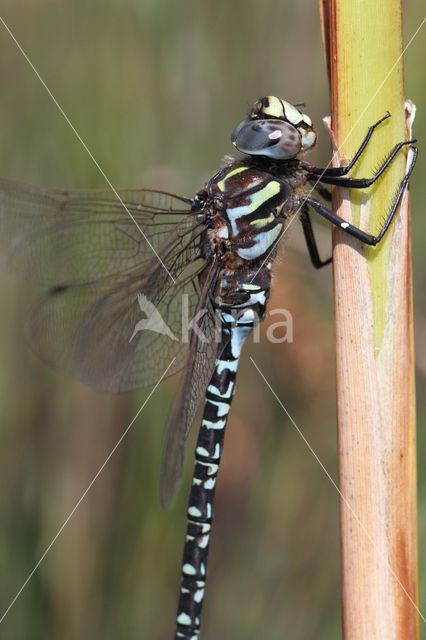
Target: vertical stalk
374,331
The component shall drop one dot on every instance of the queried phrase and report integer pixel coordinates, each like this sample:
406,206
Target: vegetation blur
154,88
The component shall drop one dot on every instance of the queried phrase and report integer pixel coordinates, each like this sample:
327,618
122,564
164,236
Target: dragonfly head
276,129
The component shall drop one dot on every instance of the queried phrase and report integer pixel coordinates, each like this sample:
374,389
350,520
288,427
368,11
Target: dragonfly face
103,257
275,129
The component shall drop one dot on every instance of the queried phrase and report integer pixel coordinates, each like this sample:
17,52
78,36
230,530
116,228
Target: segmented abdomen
240,302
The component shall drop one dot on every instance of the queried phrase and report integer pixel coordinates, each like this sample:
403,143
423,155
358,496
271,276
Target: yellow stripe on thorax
262,222
234,172
259,197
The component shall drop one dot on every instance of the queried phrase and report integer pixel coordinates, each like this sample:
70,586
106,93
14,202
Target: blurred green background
154,87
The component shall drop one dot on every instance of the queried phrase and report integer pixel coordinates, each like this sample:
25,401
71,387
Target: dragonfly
104,257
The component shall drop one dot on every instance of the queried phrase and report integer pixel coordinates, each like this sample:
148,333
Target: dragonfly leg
311,241
363,183
321,188
363,236
342,171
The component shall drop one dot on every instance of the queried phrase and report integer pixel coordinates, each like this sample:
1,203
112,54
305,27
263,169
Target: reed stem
374,330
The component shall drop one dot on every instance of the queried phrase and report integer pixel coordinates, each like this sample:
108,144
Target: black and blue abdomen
240,301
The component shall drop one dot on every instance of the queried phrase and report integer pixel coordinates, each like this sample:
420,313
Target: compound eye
271,138
238,128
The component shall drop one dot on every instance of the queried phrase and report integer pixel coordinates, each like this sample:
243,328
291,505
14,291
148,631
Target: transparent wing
69,237
199,366
113,315
120,333
91,331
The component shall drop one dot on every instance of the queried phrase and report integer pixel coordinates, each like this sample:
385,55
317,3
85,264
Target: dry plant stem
374,334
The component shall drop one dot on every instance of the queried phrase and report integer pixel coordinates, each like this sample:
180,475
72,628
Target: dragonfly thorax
247,207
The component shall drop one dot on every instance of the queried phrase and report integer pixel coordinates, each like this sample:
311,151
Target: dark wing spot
60,288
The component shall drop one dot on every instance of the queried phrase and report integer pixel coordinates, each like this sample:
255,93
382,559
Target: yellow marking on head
292,114
274,108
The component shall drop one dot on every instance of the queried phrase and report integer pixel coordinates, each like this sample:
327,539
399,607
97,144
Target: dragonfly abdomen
200,507
241,304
